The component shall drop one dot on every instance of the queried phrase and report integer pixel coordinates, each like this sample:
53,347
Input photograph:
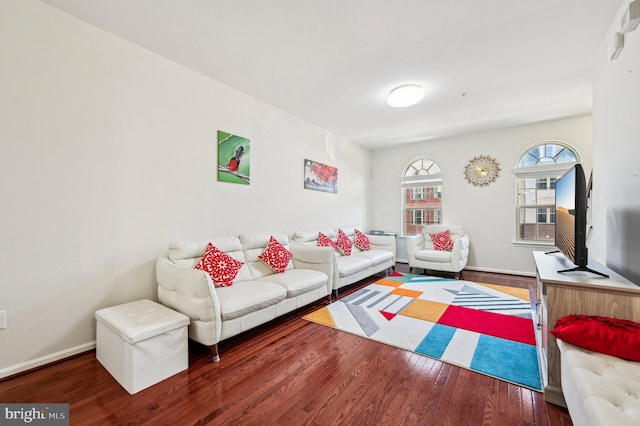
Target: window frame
546,170
415,215
423,174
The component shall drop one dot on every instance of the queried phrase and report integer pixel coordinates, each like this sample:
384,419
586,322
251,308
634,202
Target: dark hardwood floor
294,372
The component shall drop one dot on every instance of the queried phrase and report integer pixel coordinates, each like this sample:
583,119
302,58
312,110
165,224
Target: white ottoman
141,343
599,389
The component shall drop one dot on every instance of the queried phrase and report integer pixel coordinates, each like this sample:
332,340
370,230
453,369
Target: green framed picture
234,153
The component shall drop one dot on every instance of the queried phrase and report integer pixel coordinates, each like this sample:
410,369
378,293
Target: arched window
421,195
536,175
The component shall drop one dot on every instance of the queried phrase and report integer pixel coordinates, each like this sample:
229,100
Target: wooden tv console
569,293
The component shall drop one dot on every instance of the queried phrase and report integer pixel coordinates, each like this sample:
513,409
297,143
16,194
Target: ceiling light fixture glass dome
406,95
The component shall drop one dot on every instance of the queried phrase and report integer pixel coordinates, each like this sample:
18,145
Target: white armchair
422,253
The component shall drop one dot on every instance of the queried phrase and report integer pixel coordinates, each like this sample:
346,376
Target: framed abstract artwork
234,153
320,177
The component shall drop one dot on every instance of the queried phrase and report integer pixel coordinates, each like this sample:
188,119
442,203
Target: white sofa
422,253
361,263
257,294
599,389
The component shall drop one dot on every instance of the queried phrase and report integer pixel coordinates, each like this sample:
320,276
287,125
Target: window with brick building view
536,175
421,195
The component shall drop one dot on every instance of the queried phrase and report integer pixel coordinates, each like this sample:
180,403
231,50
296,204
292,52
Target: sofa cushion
362,241
298,281
324,241
611,336
311,237
344,243
377,256
253,245
275,256
442,240
190,249
248,296
187,253
348,265
442,256
219,265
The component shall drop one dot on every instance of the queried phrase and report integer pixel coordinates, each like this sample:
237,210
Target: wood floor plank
461,399
294,372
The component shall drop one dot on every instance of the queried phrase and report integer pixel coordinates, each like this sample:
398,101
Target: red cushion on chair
611,336
275,256
221,267
344,244
442,240
362,241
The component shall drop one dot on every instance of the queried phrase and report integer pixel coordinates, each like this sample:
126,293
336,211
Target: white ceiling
485,64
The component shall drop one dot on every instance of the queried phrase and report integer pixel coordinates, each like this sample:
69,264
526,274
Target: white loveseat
599,389
361,263
422,253
257,294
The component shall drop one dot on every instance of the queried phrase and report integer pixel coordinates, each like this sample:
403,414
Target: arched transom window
421,184
548,153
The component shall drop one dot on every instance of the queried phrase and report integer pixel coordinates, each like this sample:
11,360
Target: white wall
616,164
488,213
108,153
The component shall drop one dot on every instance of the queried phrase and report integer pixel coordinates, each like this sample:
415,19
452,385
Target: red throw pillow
344,244
442,240
324,241
611,336
219,265
275,256
362,241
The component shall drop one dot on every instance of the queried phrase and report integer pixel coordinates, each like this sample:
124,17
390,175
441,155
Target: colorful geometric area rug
481,327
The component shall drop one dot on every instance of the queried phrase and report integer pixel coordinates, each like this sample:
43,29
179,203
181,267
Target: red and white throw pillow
275,256
219,265
442,240
324,241
362,241
344,244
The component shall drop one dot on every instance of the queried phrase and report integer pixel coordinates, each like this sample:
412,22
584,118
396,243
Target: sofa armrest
189,291
321,259
383,242
415,243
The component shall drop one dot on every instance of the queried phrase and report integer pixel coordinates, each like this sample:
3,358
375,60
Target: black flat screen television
571,219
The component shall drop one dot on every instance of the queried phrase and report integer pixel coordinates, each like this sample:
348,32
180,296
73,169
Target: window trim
535,172
420,181
414,216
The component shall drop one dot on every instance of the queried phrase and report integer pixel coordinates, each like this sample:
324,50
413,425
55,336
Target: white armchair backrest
456,231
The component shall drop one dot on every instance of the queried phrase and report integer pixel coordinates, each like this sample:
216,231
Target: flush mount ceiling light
404,96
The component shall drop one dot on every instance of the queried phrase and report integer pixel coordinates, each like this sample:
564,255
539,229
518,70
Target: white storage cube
141,343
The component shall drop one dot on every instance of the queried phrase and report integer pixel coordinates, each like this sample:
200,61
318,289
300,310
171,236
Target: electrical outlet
3,319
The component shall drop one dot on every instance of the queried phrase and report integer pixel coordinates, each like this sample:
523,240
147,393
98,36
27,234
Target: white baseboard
47,359
501,271
480,269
